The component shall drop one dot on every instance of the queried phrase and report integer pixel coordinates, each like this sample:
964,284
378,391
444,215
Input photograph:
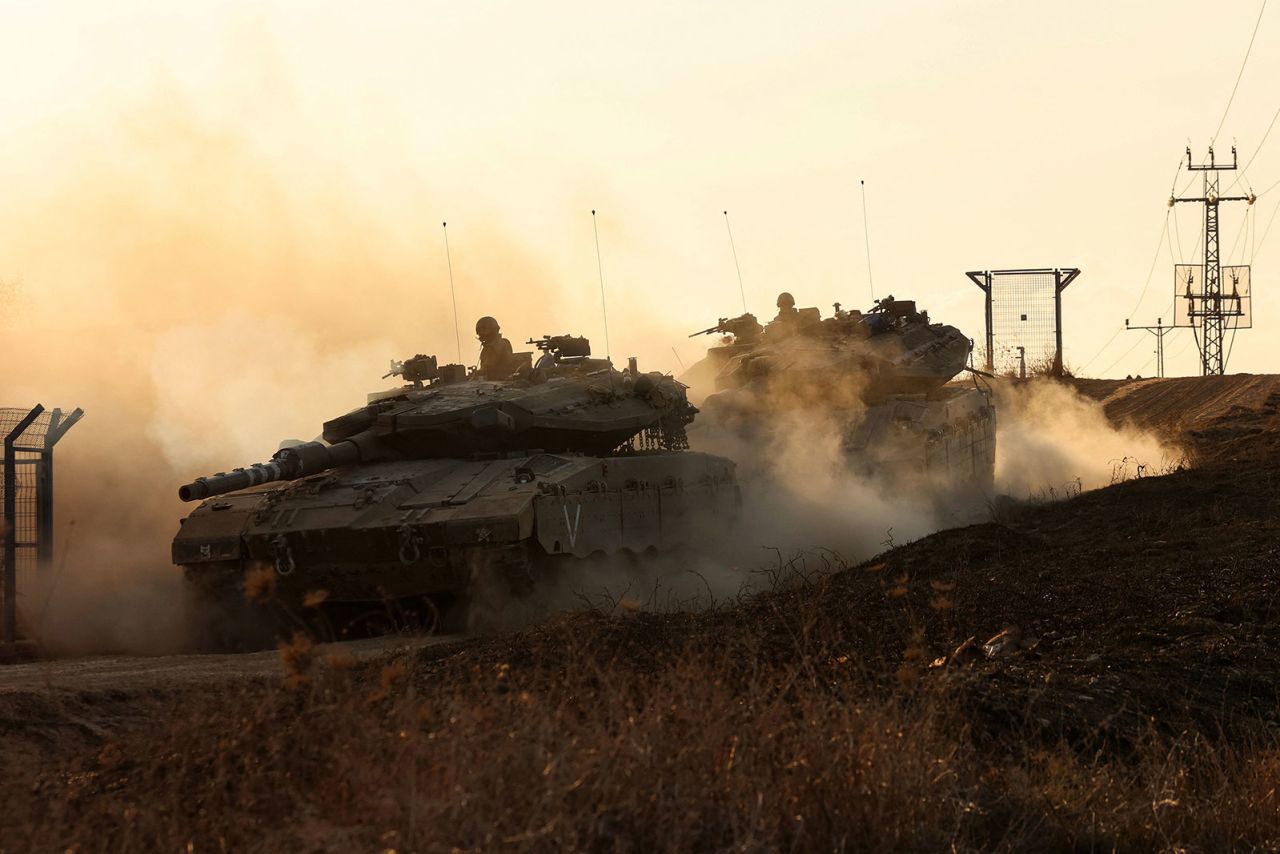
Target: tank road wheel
422,615
374,621
412,615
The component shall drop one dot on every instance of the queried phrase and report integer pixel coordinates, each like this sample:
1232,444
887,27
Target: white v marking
572,529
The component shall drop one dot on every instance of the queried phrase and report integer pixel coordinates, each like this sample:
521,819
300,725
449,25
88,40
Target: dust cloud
1051,441
802,495
202,301
203,295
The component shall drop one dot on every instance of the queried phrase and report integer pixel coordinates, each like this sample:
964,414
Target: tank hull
946,438
411,528
933,443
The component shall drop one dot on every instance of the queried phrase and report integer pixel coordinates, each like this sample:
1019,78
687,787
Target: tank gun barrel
287,464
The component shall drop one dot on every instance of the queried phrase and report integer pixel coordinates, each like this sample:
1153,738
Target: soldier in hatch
497,360
787,312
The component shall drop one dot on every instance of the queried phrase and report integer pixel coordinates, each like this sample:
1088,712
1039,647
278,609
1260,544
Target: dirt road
132,673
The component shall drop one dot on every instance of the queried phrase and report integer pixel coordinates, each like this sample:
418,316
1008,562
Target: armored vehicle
453,481
884,375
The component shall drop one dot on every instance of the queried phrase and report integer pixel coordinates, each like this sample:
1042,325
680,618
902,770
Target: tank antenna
604,307
736,266
866,237
457,335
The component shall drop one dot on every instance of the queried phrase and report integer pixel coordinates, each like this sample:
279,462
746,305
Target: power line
1107,370
1147,364
1269,189
1174,183
1187,186
1247,51
1253,250
1182,349
1177,233
1151,272
1240,235
1176,353
1131,349
1261,142
1265,231
1232,344
1195,250
1164,233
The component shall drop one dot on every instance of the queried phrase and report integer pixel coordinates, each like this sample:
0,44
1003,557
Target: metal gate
26,488
1024,319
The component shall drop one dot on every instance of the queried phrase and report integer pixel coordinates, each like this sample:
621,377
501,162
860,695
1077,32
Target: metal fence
1023,319
26,491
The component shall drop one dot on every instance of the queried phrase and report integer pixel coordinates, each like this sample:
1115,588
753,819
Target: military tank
885,376
452,481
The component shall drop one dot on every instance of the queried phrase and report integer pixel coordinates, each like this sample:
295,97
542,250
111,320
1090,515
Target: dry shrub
259,582
1185,794
580,740
297,655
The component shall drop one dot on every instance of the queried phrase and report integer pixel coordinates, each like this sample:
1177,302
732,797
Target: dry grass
583,741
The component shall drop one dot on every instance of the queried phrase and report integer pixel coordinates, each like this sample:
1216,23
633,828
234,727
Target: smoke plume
1053,440
201,300
204,293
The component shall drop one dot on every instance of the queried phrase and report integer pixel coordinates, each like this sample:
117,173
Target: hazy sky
990,134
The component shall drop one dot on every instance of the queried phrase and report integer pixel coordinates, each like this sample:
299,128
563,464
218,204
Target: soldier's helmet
786,300
486,328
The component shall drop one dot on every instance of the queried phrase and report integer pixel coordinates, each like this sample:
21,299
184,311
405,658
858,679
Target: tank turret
596,412
890,349
884,373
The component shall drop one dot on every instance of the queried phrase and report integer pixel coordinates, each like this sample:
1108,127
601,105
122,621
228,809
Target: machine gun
420,369
562,346
415,370
744,328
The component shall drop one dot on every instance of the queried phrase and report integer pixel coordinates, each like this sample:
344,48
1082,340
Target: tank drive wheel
422,615
415,615
372,621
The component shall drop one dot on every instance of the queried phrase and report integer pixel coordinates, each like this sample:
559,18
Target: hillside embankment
1217,419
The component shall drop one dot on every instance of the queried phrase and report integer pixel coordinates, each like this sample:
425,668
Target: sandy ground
132,673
